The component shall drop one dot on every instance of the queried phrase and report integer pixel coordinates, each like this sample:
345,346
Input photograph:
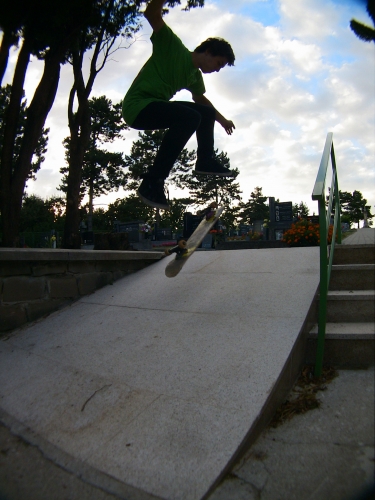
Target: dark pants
181,119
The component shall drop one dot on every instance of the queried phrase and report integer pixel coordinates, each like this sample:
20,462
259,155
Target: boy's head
217,47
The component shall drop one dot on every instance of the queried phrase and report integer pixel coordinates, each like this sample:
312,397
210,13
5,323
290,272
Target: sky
300,72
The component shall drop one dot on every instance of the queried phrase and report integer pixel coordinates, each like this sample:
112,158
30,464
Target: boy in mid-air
147,104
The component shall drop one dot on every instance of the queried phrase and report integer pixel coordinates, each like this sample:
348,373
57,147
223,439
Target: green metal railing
328,207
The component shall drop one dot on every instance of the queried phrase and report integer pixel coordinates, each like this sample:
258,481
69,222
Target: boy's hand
228,126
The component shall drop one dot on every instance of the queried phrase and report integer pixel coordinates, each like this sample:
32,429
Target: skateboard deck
175,266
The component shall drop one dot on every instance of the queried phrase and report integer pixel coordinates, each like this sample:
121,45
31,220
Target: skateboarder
147,104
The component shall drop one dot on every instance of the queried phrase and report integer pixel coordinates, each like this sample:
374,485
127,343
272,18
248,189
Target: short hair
217,47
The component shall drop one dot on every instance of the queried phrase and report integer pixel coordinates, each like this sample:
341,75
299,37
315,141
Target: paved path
324,454
364,236
152,384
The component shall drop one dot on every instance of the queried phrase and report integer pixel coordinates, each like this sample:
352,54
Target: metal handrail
326,251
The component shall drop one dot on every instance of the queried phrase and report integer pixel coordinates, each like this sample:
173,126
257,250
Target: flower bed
304,233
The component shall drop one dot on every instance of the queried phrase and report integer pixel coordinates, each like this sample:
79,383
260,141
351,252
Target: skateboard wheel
182,243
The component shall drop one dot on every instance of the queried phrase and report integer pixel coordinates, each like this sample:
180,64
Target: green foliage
101,220
174,217
38,215
102,170
41,149
300,210
42,22
143,153
204,189
364,32
353,206
255,208
130,209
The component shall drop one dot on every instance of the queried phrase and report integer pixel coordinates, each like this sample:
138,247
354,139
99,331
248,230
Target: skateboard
185,248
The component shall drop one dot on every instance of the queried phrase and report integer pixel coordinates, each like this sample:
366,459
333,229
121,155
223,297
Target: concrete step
352,277
346,331
350,306
347,345
354,254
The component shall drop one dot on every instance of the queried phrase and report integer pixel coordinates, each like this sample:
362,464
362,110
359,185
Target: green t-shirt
169,69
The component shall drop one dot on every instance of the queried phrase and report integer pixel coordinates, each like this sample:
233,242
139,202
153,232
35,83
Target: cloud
300,72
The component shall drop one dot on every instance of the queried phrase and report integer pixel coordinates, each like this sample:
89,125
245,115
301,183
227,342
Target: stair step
352,277
364,331
351,294
353,254
350,306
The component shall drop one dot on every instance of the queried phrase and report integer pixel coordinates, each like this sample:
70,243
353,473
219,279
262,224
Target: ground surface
326,454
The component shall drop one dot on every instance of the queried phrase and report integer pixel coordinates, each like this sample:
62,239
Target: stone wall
36,282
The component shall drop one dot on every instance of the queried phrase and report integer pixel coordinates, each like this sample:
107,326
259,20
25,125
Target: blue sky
300,72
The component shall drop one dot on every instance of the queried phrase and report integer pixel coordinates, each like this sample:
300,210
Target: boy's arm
153,14
227,125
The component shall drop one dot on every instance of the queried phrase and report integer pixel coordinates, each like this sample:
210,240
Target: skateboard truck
180,249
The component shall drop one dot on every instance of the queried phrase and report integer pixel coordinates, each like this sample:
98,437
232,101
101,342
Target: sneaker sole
151,203
216,174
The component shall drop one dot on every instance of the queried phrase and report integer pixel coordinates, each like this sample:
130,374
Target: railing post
323,288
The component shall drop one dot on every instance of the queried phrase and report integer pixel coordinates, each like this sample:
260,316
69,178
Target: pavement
132,394
363,236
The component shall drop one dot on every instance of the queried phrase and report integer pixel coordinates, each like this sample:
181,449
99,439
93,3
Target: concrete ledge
249,245
22,254
37,282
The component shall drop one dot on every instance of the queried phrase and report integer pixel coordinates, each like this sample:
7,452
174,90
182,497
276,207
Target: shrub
305,234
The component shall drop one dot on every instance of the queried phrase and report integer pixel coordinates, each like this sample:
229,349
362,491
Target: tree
130,209
353,206
255,208
207,188
143,153
41,147
101,221
174,217
47,30
300,210
102,171
364,32
56,205
39,215
35,216
114,19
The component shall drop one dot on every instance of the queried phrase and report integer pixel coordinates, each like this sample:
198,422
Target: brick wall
36,282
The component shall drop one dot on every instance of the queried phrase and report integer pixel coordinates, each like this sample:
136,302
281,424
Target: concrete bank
153,386
36,282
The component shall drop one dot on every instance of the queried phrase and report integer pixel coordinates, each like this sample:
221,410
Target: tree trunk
10,205
79,140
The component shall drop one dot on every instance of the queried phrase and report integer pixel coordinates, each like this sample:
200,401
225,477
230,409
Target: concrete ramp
149,386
